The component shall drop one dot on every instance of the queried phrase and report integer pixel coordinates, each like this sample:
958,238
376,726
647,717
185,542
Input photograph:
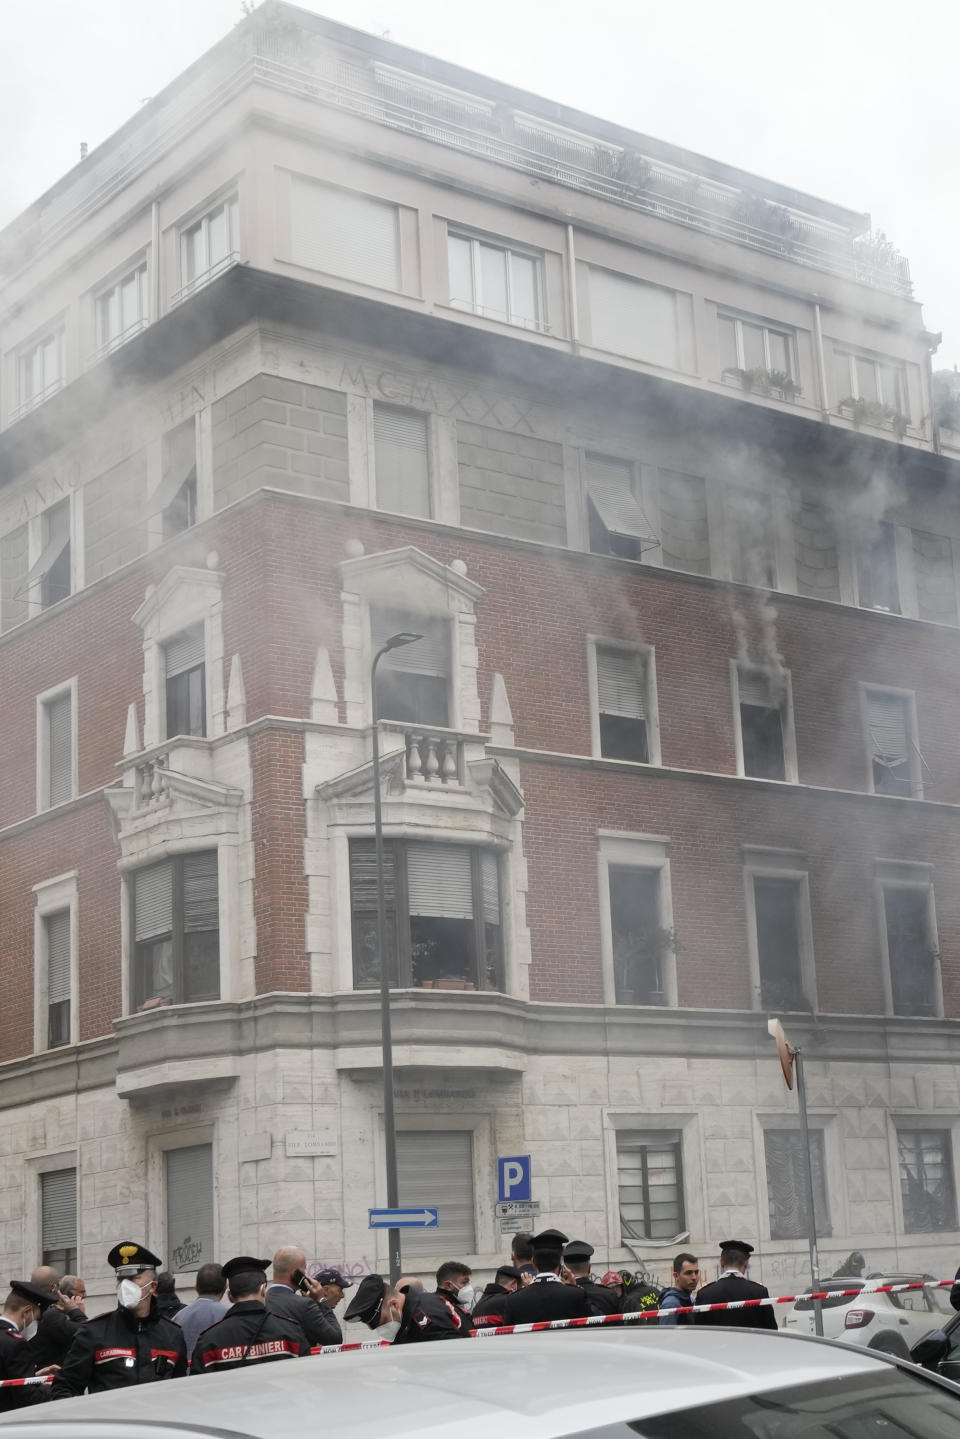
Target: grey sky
849,99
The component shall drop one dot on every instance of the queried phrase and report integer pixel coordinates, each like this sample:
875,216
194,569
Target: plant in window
873,412
632,170
765,382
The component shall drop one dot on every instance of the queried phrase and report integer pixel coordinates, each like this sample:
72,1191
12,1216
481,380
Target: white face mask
465,1296
129,1294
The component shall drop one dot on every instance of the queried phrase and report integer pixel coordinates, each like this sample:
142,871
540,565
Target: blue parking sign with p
513,1177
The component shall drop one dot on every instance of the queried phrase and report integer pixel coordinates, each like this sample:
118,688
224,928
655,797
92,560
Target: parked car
891,1323
939,1351
680,1383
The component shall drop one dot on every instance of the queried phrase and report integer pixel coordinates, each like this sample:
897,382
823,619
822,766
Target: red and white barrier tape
19,1383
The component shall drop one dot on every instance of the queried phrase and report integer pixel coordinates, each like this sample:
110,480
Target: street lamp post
386,1037
791,1063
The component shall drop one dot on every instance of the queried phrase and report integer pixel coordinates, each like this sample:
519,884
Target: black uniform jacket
431,1316
318,1321
55,1333
247,1334
118,1348
600,1299
488,1309
735,1286
544,1299
16,1362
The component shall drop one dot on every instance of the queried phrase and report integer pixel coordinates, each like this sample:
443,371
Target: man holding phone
295,1295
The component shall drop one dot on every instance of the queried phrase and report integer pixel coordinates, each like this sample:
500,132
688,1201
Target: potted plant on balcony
765,382
638,965
873,412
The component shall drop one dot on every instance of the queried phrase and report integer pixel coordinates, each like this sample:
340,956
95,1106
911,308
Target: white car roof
557,1383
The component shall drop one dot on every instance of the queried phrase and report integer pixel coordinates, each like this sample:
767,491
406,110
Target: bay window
176,930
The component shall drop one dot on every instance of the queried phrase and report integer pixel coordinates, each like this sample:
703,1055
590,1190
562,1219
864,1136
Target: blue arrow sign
403,1218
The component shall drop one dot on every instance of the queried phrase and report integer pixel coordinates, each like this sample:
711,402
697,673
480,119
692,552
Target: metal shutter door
428,656
342,233
620,683
184,651
440,880
189,1187
58,957
58,1204
888,729
153,901
435,1169
60,748
609,484
201,908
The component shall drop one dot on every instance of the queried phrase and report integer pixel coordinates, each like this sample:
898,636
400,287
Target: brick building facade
370,344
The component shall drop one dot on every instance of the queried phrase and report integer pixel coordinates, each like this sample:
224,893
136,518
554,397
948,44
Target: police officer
576,1257
405,1314
248,1333
548,1296
24,1303
131,1344
734,1284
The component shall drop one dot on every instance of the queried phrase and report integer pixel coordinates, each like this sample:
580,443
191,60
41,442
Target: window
56,767
343,233
444,928
41,369
892,740
210,243
122,309
623,703
176,924
753,544
641,943
777,910
52,569
57,937
926,1180
58,1217
494,280
877,582
650,1181
815,550
912,952
752,345
435,1168
618,525
786,1167
401,460
413,682
936,580
175,498
644,322
14,564
684,531
185,669
765,728
188,1176
875,382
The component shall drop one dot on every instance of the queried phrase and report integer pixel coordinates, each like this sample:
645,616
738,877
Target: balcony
432,757
179,773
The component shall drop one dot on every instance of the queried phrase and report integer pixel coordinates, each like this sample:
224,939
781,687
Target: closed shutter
887,718
342,233
58,956
754,686
401,459
429,655
363,876
201,908
435,1170
189,1187
440,880
153,901
610,489
184,651
490,886
621,683
58,1204
60,748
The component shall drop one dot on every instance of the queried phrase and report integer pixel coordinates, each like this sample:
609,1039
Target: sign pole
811,1212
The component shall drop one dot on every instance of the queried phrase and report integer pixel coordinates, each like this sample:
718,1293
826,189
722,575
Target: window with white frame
188,1185
764,712
175,498
122,309
641,943
14,567
343,233
176,930
878,584
495,279
41,369
642,321
927,1192
913,957
185,671
782,934
444,926
58,944
401,460
650,1184
58,1219
624,702
752,535
56,748
785,1162
617,523
413,681
210,243
684,527
435,1168
892,748
754,345
53,568
873,381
